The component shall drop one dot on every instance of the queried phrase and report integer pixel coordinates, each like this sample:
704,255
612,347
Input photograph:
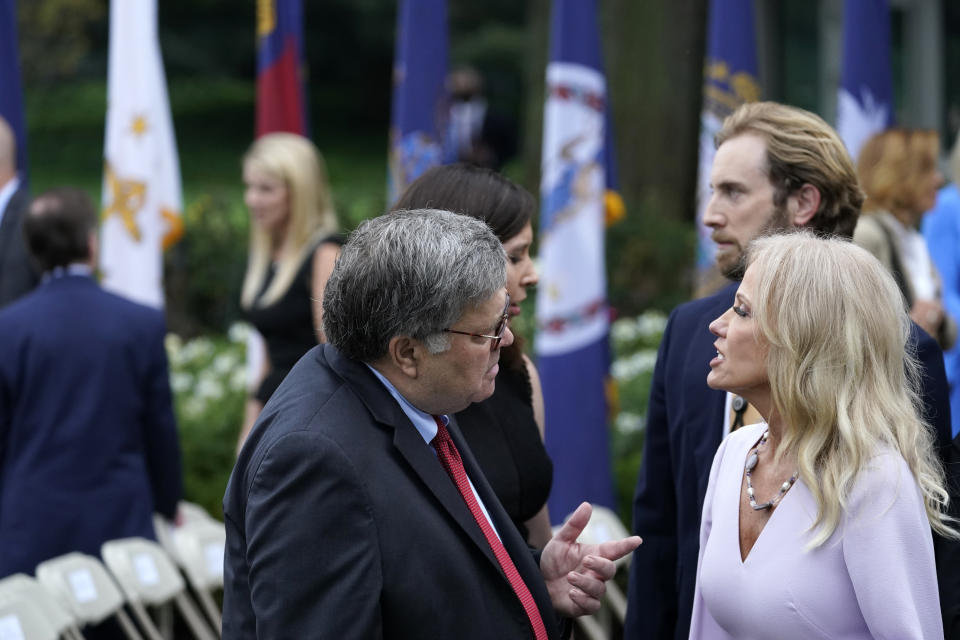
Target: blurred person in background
899,175
17,274
506,430
476,133
941,230
816,520
88,440
293,247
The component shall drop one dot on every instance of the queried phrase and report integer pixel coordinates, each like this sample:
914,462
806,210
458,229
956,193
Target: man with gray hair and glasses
356,509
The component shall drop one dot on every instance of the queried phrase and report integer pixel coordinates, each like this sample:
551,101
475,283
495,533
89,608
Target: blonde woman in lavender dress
817,522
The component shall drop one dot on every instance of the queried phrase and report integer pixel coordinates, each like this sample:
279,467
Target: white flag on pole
141,182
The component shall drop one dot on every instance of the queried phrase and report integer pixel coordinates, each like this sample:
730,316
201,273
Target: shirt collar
424,423
72,269
6,193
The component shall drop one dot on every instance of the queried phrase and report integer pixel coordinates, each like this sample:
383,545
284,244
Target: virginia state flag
11,97
729,80
418,113
281,98
865,97
572,312
141,185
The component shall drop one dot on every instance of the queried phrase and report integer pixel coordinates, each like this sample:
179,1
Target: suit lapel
414,450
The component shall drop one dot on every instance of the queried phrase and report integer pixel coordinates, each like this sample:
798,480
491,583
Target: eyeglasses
498,330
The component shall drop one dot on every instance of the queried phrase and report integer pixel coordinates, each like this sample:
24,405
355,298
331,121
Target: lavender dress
874,578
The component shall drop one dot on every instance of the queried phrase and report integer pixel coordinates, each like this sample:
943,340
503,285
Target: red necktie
450,458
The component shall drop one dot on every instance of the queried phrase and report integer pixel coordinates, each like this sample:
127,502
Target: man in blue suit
776,168
88,441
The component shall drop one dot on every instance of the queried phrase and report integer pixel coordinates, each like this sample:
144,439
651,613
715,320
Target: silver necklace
751,464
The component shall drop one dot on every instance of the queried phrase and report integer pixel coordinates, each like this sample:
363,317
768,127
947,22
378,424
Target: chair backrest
143,569
84,584
192,512
199,547
23,619
23,586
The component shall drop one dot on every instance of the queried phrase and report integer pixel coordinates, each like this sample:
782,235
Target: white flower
225,362
627,422
238,332
624,330
238,379
651,323
180,381
633,365
208,388
197,349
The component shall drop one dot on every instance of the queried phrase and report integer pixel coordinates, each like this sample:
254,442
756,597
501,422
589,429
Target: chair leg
146,623
590,627
193,617
127,624
165,620
211,609
617,601
72,633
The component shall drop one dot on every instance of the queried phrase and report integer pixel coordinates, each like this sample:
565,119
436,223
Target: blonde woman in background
293,247
898,172
816,522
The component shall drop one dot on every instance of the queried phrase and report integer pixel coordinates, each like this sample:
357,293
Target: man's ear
406,354
804,204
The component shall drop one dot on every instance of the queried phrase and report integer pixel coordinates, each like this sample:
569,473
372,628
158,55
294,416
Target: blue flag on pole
281,97
865,97
729,80
418,112
572,312
11,96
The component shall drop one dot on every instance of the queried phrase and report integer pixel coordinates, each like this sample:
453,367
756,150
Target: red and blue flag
281,97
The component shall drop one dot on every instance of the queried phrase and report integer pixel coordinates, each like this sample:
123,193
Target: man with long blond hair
776,168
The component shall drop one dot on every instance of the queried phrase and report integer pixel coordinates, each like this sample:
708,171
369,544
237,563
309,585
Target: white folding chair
56,613
148,577
84,585
199,551
23,619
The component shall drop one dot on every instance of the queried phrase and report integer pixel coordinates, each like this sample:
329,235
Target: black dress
287,324
504,437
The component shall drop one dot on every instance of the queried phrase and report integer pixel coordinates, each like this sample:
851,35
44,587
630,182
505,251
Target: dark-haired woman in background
505,432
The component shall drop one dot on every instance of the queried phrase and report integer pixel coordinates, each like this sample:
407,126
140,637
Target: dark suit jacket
17,273
684,429
948,551
88,442
342,523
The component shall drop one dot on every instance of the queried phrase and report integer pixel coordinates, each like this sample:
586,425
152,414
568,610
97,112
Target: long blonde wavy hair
836,329
298,164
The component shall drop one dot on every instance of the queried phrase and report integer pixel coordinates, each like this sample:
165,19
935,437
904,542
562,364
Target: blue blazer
88,441
342,523
684,429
